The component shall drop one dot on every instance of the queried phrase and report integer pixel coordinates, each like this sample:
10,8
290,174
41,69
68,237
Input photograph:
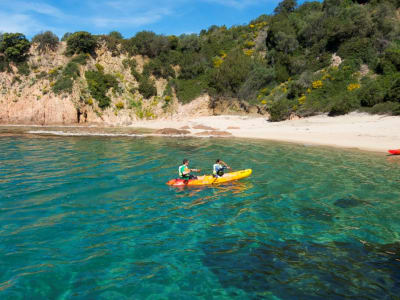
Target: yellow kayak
209,179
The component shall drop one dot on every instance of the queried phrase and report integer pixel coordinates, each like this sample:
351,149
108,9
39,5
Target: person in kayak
184,171
219,167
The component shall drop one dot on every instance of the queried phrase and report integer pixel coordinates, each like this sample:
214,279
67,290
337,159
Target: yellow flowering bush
317,84
119,105
217,61
249,44
249,52
302,99
353,86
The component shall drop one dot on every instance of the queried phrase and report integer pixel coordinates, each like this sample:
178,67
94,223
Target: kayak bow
394,152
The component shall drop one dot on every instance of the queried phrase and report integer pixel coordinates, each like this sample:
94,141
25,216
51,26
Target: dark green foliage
99,84
191,66
393,94
159,69
229,77
4,66
371,93
187,90
115,35
280,110
147,43
146,87
80,59
23,68
259,77
63,85
81,42
46,41
357,48
14,46
286,6
66,36
71,71
131,64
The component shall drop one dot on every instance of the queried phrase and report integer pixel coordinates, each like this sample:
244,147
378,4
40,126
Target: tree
14,46
285,7
116,35
66,36
81,42
46,41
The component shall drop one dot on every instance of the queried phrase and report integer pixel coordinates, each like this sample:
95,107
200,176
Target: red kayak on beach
394,152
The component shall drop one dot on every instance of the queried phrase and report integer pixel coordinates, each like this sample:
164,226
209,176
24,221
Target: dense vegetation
282,62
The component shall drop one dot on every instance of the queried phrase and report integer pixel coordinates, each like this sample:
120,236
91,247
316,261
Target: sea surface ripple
92,218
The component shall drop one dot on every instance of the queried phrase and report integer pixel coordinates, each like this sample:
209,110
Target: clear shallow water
92,218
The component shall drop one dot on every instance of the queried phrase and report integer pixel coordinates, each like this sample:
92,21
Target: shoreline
374,133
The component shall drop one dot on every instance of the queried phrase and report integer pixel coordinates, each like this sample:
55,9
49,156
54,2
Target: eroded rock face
45,111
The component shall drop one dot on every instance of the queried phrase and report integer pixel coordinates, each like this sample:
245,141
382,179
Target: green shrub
190,89
280,110
147,43
66,36
71,70
63,85
371,93
385,108
46,41
229,77
80,59
14,46
146,87
23,68
343,105
158,69
358,48
4,65
99,84
393,94
259,77
81,42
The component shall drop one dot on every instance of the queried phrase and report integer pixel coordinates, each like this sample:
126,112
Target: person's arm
225,164
195,170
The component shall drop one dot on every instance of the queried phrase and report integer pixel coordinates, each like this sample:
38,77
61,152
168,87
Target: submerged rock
349,202
305,270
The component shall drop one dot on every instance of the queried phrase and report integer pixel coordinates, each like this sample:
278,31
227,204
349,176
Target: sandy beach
355,130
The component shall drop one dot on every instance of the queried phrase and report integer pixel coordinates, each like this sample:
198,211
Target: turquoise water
92,218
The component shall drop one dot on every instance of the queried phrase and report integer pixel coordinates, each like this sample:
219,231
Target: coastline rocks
203,127
214,133
172,131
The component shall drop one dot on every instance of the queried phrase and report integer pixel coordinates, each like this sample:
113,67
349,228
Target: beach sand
355,130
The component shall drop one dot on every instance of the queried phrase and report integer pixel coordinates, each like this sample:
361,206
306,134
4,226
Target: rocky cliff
30,99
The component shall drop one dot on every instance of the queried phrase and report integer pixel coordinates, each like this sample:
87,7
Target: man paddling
219,167
184,171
